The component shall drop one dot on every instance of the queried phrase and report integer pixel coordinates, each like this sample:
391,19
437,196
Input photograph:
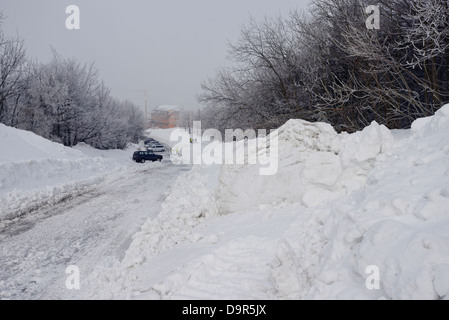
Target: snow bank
35,171
397,221
316,165
189,203
21,146
339,205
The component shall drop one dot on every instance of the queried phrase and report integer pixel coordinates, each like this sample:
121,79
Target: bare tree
13,67
428,37
379,82
327,66
262,89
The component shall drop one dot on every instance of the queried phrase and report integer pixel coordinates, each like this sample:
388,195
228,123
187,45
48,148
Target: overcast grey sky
164,47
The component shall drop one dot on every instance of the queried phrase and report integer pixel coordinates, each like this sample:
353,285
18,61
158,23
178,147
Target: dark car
142,156
150,141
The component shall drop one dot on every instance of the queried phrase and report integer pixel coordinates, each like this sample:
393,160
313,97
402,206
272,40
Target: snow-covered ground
162,135
69,206
35,172
343,211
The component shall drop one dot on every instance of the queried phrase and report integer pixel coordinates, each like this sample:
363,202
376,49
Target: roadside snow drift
347,216
345,213
35,171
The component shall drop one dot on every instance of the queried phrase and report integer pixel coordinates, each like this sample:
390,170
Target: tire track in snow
84,230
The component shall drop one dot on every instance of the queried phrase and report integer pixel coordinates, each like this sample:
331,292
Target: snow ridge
35,172
339,204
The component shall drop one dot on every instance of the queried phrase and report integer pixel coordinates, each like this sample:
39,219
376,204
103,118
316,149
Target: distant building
165,117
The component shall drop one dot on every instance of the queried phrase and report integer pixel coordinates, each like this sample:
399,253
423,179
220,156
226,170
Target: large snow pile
339,205
396,221
35,171
22,146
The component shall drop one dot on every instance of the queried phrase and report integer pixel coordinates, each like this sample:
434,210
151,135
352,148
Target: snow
35,171
339,205
69,206
168,108
21,146
162,135
86,231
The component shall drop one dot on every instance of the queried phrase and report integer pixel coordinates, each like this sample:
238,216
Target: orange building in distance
165,117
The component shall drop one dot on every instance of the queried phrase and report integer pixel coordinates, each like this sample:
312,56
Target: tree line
63,100
326,65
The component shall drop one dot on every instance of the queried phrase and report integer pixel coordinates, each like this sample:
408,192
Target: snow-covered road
86,230
339,206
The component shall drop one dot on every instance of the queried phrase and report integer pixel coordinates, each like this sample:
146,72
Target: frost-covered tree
428,33
13,77
383,85
428,38
327,66
62,100
67,103
261,90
